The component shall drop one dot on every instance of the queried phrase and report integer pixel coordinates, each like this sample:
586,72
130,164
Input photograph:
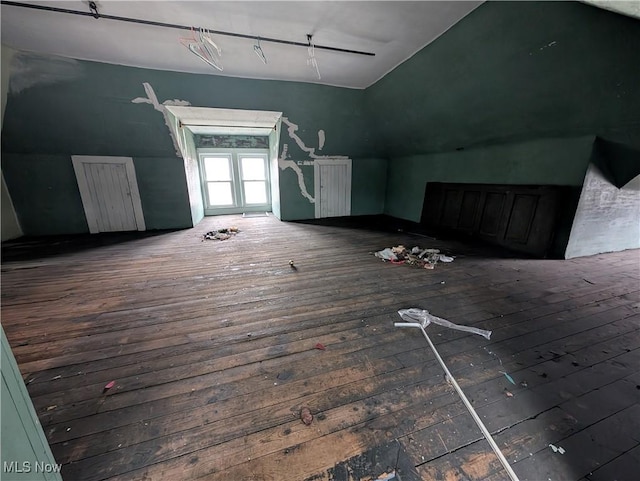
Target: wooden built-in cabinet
519,217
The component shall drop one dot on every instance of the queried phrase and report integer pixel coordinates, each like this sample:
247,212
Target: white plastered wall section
10,228
607,218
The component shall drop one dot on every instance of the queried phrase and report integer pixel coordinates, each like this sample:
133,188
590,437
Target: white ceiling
393,30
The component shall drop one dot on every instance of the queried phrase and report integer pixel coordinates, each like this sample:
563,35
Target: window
254,179
235,181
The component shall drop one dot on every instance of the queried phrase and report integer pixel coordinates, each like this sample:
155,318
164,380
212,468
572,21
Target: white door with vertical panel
109,192
332,182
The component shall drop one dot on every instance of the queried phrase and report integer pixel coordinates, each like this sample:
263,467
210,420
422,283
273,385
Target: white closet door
109,193
332,187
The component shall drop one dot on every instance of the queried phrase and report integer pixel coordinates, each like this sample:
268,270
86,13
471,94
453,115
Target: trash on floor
509,378
416,256
320,346
306,416
557,449
387,476
108,386
221,234
423,317
508,393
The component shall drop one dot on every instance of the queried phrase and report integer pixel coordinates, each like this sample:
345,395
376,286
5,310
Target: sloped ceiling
391,30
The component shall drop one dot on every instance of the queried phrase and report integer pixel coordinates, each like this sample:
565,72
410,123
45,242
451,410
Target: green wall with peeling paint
89,111
514,93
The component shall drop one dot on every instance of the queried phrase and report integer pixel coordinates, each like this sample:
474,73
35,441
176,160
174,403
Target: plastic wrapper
422,316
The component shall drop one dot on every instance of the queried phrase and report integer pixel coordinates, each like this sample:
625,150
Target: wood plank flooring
212,347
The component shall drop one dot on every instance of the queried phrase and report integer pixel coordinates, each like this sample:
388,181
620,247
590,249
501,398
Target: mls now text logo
29,467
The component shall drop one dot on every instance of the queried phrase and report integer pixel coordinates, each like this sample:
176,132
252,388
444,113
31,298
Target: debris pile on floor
306,416
221,234
416,256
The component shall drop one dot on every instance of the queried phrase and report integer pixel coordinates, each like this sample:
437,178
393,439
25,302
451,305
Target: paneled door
235,181
523,218
109,192
332,182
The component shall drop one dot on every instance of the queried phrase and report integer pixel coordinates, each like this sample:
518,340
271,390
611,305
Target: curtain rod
94,13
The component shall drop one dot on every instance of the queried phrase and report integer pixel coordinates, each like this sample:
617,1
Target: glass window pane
253,168
255,192
220,193
217,168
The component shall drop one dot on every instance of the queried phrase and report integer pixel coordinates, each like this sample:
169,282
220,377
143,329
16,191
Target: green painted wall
293,206
540,161
87,109
492,99
45,193
513,71
165,202
369,183
521,75
23,442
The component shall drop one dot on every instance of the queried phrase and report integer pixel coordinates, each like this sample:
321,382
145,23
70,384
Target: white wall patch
320,139
31,69
283,163
293,128
152,99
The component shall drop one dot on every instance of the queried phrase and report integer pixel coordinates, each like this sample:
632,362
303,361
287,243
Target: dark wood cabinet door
519,217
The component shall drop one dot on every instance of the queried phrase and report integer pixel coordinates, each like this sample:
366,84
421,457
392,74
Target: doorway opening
109,193
332,182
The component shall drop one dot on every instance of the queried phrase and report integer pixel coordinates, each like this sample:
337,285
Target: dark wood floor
211,345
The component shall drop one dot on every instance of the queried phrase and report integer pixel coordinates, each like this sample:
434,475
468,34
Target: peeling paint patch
283,163
31,69
152,99
290,164
320,139
293,128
